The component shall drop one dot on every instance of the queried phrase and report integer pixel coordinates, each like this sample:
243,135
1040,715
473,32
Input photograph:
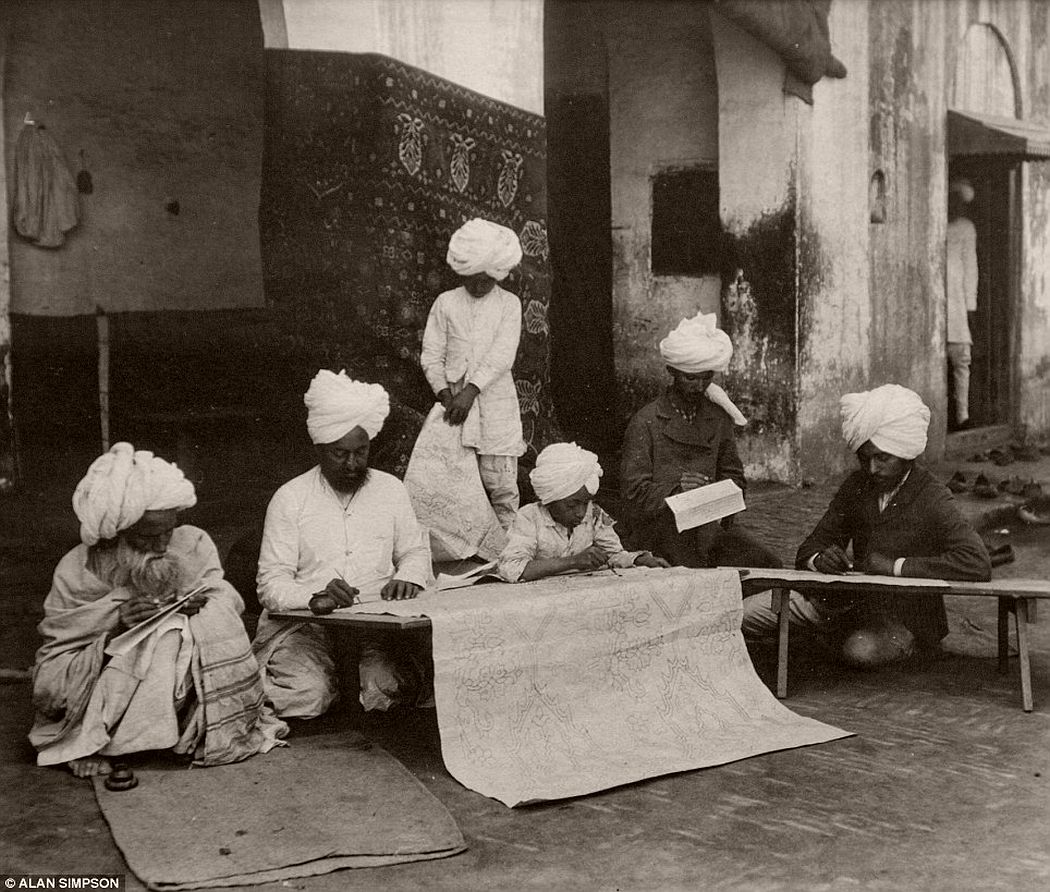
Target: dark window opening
686,229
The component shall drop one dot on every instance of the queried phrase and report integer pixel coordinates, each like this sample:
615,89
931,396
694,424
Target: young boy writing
565,530
469,346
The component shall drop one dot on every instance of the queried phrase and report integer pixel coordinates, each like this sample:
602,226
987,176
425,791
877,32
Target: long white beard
154,576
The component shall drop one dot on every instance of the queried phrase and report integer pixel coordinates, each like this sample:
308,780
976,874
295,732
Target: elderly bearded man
337,533
900,521
682,440
192,684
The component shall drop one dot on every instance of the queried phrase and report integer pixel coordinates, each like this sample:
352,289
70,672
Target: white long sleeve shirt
314,534
961,278
474,340
536,535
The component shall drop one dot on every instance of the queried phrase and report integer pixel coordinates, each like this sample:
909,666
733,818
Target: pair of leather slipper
981,486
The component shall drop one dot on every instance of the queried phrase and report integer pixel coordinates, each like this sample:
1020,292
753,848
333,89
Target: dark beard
348,484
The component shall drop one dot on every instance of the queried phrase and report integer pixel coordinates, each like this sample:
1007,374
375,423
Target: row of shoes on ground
982,487
1007,455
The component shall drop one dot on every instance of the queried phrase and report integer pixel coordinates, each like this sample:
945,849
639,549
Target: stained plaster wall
165,99
908,107
663,115
834,304
758,132
1034,359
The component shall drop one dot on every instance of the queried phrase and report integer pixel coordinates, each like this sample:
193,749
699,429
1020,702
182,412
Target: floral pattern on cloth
444,486
369,166
569,685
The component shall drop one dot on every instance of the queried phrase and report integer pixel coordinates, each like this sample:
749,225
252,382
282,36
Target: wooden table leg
782,605
1021,618
1004,632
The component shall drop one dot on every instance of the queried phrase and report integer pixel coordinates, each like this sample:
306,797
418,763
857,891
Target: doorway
996,183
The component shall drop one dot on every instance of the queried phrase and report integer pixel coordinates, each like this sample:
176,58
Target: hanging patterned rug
321,804
369,166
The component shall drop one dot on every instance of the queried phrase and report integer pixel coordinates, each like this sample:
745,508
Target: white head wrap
894,418
962,188
480,246
561,469
697,345
337,404
121,486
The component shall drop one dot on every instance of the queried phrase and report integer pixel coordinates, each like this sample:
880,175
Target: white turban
121,486
561,469
336,404
894,418
480,246
697,345
963,189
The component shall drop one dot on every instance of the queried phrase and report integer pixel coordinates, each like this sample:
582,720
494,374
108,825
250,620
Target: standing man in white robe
338,533
961,288
469,346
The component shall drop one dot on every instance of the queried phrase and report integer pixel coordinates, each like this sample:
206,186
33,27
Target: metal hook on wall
28,120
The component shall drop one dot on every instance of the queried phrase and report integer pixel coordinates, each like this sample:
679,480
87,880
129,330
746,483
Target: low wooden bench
1015,596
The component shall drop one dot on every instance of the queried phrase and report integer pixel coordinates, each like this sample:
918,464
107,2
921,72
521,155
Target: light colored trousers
959,360
499,476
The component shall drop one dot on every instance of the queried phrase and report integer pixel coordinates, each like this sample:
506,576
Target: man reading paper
682,440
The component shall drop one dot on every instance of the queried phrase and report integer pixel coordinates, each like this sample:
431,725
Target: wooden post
102,324
8,450
782,605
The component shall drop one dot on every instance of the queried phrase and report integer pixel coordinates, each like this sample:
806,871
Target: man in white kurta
961,288
339,533
469,346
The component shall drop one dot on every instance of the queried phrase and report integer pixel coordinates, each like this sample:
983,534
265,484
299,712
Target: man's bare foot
90,766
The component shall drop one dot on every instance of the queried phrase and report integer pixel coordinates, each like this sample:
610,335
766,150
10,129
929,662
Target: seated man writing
683,440
340,531
899,521
565,530
191,685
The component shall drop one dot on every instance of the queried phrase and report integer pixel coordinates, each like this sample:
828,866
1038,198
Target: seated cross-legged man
682,440
337,533
898,520
565,530
192,684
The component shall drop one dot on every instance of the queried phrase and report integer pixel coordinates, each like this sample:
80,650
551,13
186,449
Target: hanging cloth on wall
45,200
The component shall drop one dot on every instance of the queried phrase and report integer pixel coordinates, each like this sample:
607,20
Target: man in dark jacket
685,439
898,520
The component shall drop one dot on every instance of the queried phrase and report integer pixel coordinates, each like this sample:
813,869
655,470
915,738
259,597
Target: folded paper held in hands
129,639
705,504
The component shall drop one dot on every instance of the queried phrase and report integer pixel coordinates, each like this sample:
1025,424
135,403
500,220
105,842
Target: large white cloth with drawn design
448,498
569,685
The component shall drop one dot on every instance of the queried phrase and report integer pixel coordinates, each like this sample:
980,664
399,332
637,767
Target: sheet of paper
468,577
705,504
789,575
129,639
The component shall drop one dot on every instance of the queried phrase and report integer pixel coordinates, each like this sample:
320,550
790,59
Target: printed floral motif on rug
369,166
